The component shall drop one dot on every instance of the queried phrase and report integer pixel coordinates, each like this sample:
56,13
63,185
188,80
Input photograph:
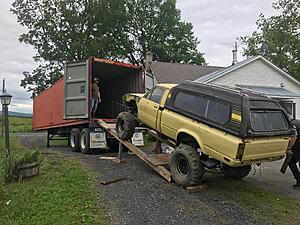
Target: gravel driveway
146,198
267,176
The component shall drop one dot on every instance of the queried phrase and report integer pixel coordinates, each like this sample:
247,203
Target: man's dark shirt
296,146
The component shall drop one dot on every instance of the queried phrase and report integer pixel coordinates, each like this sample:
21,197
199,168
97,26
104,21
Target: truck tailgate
261,148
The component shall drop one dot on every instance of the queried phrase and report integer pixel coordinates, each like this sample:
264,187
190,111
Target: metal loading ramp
155,161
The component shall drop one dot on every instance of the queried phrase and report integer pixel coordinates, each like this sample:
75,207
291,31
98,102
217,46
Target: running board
210,163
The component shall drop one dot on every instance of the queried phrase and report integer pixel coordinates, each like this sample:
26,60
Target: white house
259,75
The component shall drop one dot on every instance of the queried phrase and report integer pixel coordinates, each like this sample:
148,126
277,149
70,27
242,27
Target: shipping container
66,104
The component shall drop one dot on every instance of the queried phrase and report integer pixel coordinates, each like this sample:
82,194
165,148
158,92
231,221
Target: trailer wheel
74,139
125,125
185,165
84,142
236,172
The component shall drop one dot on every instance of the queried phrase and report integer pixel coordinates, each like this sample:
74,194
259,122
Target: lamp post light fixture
5,101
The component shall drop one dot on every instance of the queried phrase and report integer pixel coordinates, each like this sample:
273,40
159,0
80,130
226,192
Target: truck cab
151,105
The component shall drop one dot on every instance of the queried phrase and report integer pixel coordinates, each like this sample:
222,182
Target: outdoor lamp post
5,101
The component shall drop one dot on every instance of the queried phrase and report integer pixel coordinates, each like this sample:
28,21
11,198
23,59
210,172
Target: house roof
216,74
166,72
271,91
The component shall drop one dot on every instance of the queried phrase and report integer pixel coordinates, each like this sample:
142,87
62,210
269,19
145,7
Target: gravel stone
146,198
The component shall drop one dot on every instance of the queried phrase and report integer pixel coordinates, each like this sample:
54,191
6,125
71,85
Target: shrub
9,164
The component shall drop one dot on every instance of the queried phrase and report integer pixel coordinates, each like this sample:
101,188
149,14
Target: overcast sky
217,24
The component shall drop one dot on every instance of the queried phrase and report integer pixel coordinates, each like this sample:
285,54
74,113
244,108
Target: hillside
18,114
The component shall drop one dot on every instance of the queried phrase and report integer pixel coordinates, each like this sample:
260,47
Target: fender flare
192,134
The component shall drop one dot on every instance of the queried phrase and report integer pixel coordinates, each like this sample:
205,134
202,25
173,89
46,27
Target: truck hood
133,96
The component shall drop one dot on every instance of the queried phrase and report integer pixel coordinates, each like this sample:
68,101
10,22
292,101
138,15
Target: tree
73,30
280,37
156,25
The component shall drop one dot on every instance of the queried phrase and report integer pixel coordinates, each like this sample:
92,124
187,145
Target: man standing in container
95,98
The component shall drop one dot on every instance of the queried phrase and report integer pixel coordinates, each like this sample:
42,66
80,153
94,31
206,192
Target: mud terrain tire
125,125
185,165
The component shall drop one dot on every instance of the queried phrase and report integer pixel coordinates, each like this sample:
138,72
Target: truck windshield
268,121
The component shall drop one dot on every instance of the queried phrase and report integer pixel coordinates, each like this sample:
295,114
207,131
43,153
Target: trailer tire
84,141
125,125
74,139
235,172
185,165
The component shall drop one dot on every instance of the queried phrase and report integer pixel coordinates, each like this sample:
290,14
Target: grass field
63,193
19,124
263,204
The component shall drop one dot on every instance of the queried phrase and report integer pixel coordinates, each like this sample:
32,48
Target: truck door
149,107
76,102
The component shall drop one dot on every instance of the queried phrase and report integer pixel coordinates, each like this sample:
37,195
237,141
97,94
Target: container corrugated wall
48,108
115,81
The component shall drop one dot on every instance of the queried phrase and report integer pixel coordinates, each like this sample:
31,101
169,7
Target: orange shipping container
67,102
48,109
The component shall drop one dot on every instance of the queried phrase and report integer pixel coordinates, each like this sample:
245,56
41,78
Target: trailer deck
157,161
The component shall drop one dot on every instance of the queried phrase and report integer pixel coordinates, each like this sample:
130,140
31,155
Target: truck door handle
155,106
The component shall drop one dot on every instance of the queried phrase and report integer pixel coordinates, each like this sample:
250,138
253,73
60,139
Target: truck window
148,94
218,111
190,103
263,104
200,106
268,121
156,94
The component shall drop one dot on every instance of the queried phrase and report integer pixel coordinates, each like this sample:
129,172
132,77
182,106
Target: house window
289,107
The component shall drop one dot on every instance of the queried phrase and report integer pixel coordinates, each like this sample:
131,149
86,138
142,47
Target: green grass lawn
63,193
263,204
19,124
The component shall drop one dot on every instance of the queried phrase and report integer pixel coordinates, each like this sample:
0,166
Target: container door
76,90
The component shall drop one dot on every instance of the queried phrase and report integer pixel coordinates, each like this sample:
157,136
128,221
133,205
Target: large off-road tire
125,125
185,165
74,139
84,141
236,172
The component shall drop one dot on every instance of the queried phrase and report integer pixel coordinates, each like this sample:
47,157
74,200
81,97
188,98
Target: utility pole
2,111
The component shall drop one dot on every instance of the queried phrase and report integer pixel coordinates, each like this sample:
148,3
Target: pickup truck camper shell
240,101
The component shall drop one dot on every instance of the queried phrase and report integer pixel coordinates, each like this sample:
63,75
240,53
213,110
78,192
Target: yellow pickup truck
212,127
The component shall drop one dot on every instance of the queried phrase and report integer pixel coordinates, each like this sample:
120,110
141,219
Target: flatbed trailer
158,161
